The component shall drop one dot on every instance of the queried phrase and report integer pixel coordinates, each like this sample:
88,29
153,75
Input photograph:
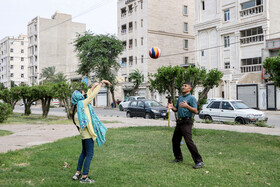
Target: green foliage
137,78
5,111
261,124
98,56
2,86
46,93
49,76
10,96
272,68
28,95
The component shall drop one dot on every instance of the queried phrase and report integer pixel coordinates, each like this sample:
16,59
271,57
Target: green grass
19,119
140,156
5,133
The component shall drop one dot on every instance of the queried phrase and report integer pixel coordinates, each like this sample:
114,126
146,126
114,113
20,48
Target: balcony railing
130,29
251,68
123,64
124,31
250,11
252,39
123,15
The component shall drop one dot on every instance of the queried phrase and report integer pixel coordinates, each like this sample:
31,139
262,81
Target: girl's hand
106,82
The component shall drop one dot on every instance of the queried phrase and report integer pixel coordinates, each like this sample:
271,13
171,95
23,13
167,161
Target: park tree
2,86
5,111
47,73
98,56
136,78
272,68
46,93
10,96
29,94
169,79
64,92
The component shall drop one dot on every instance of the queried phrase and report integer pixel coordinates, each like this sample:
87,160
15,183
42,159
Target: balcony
251,68
252,39
251,11
123,31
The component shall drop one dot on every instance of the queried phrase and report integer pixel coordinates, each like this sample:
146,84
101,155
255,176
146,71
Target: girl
91,128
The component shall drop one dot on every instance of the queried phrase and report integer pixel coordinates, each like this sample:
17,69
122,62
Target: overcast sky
100,16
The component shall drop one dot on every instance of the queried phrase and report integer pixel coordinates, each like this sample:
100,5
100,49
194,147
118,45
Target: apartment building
232,35
50,44
13,60
143,24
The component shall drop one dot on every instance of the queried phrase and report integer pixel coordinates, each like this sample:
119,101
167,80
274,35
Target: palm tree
48,73
58,78
137,78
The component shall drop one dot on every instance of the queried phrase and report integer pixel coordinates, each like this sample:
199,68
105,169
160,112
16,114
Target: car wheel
128,115
240,121
121,108
208,118
147,116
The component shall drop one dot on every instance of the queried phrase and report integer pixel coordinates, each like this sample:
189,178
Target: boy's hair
188,83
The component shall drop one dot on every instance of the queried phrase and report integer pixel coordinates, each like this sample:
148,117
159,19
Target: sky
100,16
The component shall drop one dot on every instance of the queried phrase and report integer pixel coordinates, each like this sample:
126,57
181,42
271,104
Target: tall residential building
13,60
143,24
231,35
50,44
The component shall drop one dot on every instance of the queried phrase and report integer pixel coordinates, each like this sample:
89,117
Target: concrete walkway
28,135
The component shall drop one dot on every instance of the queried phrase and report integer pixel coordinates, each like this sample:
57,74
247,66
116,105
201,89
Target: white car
231,110
124,104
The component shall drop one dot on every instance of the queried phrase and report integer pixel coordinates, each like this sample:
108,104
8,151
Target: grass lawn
17,118
5,133
140,156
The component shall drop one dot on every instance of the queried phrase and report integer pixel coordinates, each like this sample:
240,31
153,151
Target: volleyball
154,52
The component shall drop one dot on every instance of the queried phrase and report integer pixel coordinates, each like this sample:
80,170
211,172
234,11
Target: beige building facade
13,60
50,44
143,24
232,35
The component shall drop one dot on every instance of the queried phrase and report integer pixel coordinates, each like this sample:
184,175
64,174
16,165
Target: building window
12,75
11,50
227,15
135,25
123,12
12,66
226,41
251,7
22,67
123,31
186,60
203,5
130,60
186,44
227,65
130,9
22,51
142,41
22,42
123,62
251,4
142,22
202,53
12,58
141,4
251,35
124,44
251,64
136,60
130,27
22,75
130,44
185,10
22,59
135,41
185,27
142,58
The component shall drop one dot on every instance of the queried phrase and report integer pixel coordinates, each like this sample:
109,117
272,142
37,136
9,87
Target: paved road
29,135
273,116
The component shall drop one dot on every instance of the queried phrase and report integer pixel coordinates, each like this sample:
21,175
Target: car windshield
152,104
239,105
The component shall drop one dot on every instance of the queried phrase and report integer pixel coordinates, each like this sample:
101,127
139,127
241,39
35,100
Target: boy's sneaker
76,176
86,180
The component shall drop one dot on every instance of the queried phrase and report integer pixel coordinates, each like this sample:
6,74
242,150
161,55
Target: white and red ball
154,52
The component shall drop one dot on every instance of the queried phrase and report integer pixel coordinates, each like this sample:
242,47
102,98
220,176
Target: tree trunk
113,97
46,106
27,110
67,108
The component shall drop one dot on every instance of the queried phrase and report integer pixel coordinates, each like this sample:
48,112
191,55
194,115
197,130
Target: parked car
146,109
231,110
208,101
124,104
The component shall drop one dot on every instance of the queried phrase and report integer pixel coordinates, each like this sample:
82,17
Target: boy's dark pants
184,129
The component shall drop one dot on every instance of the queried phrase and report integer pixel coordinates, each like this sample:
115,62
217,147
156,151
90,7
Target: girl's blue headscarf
99,129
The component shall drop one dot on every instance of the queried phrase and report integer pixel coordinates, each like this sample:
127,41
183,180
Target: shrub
5,111
261,124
